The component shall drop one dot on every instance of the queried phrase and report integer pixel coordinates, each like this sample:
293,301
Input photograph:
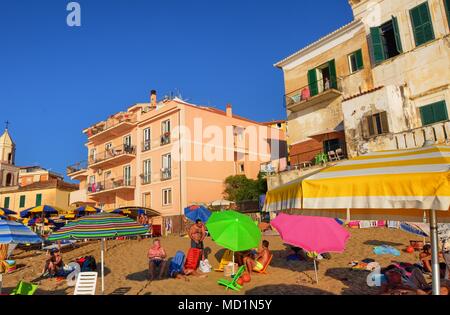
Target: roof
273,122
363,93
5,138
313,45
52,183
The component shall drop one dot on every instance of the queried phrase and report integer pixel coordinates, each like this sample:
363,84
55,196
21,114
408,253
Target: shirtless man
261,259
197,233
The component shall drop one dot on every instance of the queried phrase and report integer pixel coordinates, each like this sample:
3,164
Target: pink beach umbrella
313,234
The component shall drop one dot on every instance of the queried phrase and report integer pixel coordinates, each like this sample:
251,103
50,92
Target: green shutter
447,9
333,76
398,39
6,203
312,81
38,200
440,111
377,45
422,25
22,202
359,60
426,114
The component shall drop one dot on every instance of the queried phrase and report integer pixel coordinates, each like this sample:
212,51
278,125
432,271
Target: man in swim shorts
260,260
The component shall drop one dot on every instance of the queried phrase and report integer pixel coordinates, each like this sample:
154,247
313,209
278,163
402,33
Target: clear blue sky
56,80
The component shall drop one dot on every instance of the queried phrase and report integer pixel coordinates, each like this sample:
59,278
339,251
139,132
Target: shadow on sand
285,289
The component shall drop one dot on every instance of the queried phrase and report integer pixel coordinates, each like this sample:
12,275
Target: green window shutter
312,81
398,39
332,66
426,114
22,202
447,9
6,203
377,45
38,200
440,111
422,25
359,60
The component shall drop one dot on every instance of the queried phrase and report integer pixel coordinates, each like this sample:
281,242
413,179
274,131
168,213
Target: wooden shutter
398,39
377,45
333,76
384,122
440,111
312,81
422,25
38,200
359,60
6,203
426,114
22,202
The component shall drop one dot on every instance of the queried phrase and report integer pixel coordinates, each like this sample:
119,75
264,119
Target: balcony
146,145
165,139
146,179
113,127
111,186
77,171
313,94
166,174
113,157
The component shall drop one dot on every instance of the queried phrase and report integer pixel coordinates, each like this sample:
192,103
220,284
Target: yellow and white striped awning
285,197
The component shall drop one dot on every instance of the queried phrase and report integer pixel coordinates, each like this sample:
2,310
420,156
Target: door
147,140
127,175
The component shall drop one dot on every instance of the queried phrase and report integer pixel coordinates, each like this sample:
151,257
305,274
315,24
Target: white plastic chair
86,283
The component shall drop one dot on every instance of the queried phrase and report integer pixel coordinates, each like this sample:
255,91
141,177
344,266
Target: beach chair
193,258
233,285
86,283
226,259
264,270
24,288
176,264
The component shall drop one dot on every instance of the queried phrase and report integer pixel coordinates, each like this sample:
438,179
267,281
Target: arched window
9,179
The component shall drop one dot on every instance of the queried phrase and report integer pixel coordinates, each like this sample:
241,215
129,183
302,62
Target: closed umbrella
314,234
234,231
99,227
195,213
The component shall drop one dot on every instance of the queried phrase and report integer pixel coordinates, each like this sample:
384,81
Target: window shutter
22,202
422,25
370,126
359,60
312,81
6,203
38,200
377,45
440,111
426,113
384,122
332,66
447,9
398,39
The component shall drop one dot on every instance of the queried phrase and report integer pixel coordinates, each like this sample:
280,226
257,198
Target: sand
126,268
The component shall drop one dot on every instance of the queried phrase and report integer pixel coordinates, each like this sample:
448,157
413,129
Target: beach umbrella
6,212
313,234
195,213
45,210
99,227
234,231
80,211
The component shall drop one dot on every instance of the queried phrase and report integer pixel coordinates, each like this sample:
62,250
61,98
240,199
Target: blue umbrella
46,210
195,213
12,232
81,211
5,212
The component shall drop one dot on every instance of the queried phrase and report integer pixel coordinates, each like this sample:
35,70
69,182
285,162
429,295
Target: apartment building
380,82
169,154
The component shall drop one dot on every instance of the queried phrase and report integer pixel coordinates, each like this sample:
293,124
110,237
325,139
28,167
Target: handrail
111,123
111,153
80,166
306,92
112,183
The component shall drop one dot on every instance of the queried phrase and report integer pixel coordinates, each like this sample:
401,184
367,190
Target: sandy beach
126,268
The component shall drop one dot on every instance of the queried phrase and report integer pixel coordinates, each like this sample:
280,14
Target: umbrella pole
103,266
233,265
1,282
435,253
315,269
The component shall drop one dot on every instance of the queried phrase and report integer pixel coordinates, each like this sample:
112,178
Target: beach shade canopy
12,232
313,234
45,209
234,231
136,211
195,213
5,212
221,203
80,211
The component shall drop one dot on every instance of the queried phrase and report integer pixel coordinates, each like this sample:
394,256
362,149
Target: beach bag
89,264
205,266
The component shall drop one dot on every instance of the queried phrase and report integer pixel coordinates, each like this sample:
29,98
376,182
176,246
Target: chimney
229,110
153,99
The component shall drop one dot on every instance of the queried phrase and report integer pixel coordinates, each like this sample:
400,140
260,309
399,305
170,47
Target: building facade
170,154
380,82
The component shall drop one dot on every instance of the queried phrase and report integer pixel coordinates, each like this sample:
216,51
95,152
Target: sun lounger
24,288
233,285
193,259
86,283
264,270
226,259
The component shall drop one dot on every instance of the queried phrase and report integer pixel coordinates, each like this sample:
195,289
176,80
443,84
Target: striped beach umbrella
12,232
5,212
44,210
99,227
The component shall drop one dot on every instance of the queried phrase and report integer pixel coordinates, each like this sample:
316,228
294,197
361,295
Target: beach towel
386,250
193,258
176,264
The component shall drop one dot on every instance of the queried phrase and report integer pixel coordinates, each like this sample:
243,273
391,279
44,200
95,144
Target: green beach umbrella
234,231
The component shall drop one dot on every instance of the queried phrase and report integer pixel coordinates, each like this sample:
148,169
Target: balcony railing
165,138
112,153
313,91
146,179
146,145
111,184
166,174
111,124
77,167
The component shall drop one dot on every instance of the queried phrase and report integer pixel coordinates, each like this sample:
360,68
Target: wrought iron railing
80,166
305,93
124,149
111,123
166,174
112,183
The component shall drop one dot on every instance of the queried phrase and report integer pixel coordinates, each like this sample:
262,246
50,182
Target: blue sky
56,80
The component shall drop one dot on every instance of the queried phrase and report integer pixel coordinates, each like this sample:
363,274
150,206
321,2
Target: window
147,200
447,9
421,23
38,200
241,168
108,146
434,113
322,78
9,179
355,61
166,170
93,155
9,158
22,202
167,197
386,41
147,140
147,174
127,175
165,132
6,202
376,124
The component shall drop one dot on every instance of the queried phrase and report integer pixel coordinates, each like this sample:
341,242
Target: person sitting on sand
157,259
425,260
54,264
257,262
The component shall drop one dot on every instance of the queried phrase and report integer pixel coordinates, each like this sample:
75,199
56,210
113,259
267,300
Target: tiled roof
363,93
53,183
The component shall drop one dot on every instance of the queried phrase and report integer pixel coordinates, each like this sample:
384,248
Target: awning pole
315,269
348,216
435,253
103,266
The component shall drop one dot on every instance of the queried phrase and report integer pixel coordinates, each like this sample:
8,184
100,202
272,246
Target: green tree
240,188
